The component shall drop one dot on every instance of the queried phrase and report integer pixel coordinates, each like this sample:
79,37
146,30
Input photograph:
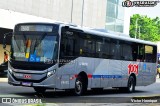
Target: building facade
102,14
99,14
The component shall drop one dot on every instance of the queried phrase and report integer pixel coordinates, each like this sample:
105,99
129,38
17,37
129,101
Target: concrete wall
60,10
2,52
9,18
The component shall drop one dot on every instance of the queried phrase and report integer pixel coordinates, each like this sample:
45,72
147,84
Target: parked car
3,68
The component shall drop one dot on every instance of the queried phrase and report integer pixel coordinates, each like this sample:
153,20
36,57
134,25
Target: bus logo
140,3
127,3
133,68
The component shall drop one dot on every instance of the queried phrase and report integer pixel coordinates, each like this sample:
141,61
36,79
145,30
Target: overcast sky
151,12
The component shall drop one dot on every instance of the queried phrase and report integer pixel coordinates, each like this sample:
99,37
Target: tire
80,86
131,85
40,89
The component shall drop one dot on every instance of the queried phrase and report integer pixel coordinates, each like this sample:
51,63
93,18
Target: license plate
27,76
26,83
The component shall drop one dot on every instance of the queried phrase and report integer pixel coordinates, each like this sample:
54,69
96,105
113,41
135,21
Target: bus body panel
102,73
106,72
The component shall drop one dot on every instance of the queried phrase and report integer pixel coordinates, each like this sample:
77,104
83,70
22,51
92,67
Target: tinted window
69,44
75,44
87,45
126,51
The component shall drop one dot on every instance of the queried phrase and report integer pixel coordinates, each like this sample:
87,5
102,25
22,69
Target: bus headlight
50,73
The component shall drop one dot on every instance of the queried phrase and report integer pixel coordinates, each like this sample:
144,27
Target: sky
151,12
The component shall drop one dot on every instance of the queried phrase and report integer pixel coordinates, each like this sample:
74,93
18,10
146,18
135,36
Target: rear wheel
131,84
80,86
39,89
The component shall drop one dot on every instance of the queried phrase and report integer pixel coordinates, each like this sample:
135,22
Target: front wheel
80,86
39,89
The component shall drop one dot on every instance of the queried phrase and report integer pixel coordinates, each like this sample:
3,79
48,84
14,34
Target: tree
149,28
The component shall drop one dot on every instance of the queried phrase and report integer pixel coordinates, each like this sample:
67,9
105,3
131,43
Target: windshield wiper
37,43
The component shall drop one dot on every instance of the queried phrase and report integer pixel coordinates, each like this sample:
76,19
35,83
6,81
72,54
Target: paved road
7,90
108,95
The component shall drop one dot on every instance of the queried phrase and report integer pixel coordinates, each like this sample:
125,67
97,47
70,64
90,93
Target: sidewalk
3,79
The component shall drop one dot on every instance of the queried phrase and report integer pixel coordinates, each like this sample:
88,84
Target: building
100,14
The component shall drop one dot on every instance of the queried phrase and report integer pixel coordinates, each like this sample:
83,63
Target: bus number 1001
133,68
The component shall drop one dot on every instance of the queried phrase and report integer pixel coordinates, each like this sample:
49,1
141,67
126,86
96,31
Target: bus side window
67,46
87,46
62,50
127,52
150,53
135,52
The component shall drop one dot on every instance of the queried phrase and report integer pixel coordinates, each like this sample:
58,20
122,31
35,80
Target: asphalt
3,80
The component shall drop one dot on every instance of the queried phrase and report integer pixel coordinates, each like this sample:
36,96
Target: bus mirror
4,42
4,46
4,39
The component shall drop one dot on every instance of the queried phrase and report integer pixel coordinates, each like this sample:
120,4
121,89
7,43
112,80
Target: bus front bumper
46,83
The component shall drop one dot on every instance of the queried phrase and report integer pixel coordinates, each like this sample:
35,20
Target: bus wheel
131,84
39,89
80,86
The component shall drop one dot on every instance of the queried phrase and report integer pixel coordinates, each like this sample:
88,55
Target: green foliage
149,28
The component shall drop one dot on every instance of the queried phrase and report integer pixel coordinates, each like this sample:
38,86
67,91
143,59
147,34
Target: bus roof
98,33
113,35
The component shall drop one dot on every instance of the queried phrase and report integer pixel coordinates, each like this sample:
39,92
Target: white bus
61,56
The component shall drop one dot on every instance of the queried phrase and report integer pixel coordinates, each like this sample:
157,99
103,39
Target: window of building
112,10
119,2
110,27
114,15
120,13
119,25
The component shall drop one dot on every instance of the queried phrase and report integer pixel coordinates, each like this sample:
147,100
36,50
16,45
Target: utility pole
139,32
136,28
82,13
71,10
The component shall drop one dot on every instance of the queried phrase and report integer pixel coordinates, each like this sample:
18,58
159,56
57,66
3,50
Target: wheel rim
131,85
78,87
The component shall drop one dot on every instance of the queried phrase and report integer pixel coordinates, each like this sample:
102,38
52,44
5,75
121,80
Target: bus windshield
34,48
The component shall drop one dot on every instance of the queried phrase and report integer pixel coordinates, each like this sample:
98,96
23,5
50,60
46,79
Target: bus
67,57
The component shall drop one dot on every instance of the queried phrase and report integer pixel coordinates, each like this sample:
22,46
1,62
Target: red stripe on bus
75,75
89,76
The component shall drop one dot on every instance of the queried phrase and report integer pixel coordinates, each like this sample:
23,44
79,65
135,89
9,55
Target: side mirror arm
4,40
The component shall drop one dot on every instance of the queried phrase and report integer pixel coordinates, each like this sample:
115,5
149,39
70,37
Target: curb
3,79
149,96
